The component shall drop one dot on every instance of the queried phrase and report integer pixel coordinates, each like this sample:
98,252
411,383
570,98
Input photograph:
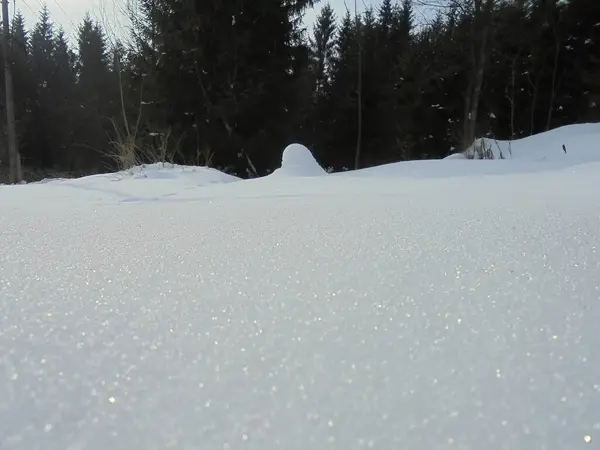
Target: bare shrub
480,149
125,150
163,148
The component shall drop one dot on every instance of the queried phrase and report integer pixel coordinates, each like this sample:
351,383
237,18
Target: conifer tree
322,48
228,74
96,92
61,95
45,149
22,82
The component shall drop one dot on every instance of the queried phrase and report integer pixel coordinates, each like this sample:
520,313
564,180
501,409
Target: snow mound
140,183
538,153
298,161
581,145
200,175
197,175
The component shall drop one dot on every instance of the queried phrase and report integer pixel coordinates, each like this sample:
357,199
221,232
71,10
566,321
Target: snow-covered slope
148,183
331,312
581,141
534,154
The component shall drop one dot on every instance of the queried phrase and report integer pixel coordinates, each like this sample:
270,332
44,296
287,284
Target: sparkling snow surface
341,312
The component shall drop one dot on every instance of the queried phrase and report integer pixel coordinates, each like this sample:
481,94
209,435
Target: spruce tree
322,52
322,46
61,94
228,74
342,100
96,92
45,149
22,83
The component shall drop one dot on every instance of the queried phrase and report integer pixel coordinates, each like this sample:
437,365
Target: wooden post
13,150
359,88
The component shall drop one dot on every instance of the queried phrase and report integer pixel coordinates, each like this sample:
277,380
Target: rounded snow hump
298,161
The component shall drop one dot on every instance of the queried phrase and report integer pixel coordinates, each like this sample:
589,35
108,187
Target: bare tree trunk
554,87
467,139
121,94
359,134
511,97
536,90
473,113
479,34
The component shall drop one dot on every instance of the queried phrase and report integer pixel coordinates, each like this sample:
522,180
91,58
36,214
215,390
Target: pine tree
93,59
228,74
96,94
322,53
61,94
322,45
386,18
45,149
374,96
22,83
343,98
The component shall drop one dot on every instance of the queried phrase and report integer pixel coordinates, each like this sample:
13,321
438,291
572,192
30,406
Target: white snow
298,161
580,140
411,306
147,183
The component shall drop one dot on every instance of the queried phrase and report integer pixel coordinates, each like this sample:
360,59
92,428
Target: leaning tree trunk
479,35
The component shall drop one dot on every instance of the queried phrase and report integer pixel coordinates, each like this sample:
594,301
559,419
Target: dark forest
231,84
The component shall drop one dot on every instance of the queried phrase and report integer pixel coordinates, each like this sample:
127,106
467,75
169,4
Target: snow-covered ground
580,144
424,306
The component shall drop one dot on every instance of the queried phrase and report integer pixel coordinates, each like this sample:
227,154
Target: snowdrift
298,161
141,183
581,142
539,153
191,175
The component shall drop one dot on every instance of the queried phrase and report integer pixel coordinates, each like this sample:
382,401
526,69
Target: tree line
230,84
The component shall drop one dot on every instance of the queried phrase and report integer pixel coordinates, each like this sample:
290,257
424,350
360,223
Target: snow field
437,308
